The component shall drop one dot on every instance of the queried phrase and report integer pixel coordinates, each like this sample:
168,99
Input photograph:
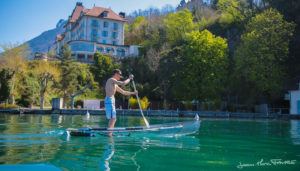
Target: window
80,57
81,26
94,35
115,26
77,46
120,52
94,32
94,23
104,33
90,58
104,41
68,28
114,35
105,14
67,37
100,49
105,24
110,50
114,42
81,35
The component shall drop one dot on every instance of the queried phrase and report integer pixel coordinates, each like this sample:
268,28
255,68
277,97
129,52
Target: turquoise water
37,142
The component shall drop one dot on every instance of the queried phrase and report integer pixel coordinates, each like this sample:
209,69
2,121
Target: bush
207,105
145,103
188,105
8,106
78,103
212,105
231,107
24,101
133,103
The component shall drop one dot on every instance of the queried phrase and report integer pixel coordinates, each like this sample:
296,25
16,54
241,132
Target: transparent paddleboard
169,129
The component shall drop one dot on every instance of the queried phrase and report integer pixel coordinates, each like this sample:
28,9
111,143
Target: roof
58,37
95,12
76,13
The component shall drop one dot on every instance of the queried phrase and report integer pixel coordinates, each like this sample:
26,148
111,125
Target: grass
8,106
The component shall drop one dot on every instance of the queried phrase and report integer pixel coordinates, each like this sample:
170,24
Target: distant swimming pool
37,142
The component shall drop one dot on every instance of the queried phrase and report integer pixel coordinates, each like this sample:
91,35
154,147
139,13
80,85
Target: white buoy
87,114
68,135
196,117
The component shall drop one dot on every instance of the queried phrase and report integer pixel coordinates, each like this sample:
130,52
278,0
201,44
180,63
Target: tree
47,72
14,56
154,57
178,24
65,55
260,55
103,68
28,86
134,33
232,11
5,75
204,63
169,68
204,17
69,72
290,12
75,76
167,9
51,53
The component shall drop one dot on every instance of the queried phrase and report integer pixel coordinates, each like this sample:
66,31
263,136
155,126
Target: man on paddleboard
112,85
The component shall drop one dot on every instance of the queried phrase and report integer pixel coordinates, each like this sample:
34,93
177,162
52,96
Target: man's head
117,74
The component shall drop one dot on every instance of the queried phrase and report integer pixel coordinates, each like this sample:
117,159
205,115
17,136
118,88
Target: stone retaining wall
165,113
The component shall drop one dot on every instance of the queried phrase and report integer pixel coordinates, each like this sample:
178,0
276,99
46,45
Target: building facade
95,30
295,101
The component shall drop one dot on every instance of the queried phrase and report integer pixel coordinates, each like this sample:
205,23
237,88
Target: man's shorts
110,108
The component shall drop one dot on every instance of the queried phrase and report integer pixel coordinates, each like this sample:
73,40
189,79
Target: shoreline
154,113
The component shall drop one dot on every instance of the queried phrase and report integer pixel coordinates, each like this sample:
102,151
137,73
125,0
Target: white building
95,30
295,101
91,104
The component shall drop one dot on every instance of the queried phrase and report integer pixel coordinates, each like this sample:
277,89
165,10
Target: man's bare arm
127,93
122,83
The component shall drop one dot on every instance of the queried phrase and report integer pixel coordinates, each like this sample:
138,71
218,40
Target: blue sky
22,20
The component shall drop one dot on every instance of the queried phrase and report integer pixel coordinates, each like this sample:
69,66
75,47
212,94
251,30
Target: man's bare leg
111,124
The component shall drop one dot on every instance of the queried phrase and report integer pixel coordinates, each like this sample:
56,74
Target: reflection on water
110,151
220,144
29,167
40,138
295,131
144,143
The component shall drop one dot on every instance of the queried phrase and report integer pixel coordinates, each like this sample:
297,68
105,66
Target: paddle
137,97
